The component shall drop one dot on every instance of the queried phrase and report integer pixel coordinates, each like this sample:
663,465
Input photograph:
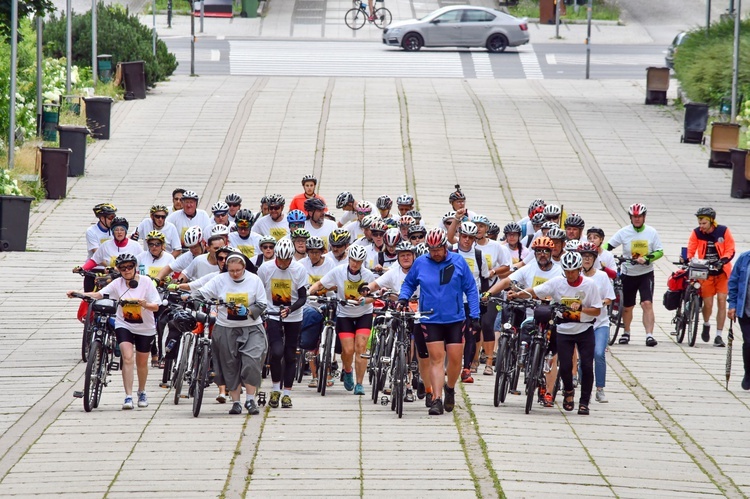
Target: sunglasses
275,208
377,234
123,268
267,246
160,217
220,258
154,245
416,237
544,251
296,226
243,225
233,204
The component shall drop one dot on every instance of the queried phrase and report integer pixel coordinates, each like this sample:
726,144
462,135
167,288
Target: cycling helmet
267,240
535,205
339,237
512,228
309,178
155,234
705,212
537,219
456,195
183,320
157,208
119,222
344,199
384,203
637,209
421,249
314,204
480,219
103,209
284,249
297,233
392,237
406,221
571,261
595,230
415,214
572,245
314,243
550,225
493,229
468,229
586,247
378,225
556,233
574,220
219,230
296,217
416,229
193,236
542,242
125,258
276,200
357,252
189,195
243,215
264,200
404,246
405,200
220,208
363,208
552,210
233,198
368,220
436,238
226,249
449,215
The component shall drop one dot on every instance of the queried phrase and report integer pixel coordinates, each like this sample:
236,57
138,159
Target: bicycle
687,316
356,17
101,279
539,365
509,361
202,373
615,308
325,354
380,341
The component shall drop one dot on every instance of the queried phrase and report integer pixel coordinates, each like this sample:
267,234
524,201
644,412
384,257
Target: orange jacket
723,240
298,202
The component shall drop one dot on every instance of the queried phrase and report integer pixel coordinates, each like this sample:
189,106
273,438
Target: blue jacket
445,300
738,283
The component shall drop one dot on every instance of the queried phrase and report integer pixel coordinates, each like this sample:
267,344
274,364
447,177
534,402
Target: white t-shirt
606,292
134,318
152,266
471,261
324,231
531,276
266,226
514,257
95,237
199,267
354,229
282,286
248,247
247,292
182,262
636,244
585,295
495,255
173,241
393,279
199,283
373,256
606,259
182,222
347,289
347,217
108,252
315,273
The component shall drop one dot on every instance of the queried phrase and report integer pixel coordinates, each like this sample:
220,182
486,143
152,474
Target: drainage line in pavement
361,466
494,155
406,142
588,454
320,143
251,467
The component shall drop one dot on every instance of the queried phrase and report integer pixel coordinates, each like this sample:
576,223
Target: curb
594,22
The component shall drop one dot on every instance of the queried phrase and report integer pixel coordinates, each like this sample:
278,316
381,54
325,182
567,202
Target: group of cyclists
260,268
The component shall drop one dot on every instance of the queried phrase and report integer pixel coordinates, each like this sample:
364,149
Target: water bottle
548,362
170,345
142,269
362,5
522,354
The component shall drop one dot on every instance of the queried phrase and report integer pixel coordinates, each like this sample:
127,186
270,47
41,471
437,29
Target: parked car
459,26
672,50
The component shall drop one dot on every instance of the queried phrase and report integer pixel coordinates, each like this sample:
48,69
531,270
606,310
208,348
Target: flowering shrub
9,186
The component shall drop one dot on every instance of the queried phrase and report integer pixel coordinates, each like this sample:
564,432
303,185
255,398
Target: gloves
77,269
559,314
475,324
173,287
402,305
485,296
241,310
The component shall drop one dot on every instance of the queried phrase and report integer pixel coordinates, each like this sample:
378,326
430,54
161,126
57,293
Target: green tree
25,8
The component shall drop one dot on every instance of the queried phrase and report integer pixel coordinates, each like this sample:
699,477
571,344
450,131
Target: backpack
678,281
672,299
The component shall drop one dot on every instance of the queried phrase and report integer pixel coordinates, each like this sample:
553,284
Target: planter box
14,222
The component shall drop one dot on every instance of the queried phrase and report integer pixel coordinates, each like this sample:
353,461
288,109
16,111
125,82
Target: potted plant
14,214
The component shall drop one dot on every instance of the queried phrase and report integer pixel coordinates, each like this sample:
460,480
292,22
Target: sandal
154,361
569,400
624,339
488,371
651,341
329,383
583,409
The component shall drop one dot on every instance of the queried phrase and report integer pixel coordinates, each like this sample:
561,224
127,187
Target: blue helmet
296,216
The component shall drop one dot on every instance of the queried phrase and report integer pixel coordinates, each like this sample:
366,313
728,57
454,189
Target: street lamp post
39,71
589,8
736,58
68,46
94,58
13,76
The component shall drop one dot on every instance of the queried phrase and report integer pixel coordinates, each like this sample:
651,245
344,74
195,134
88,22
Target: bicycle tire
374,351
400,380
179,376
92,380
558,385
355,18
200,380
533,381
694,318
501,373
87,335
680,321
374,370
615,320
300,366
383,18
107,354
326,360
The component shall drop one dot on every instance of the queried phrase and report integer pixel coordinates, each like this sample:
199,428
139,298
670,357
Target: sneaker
221,398
651,341
252,407
706,333
600,397
142,399
128,404
746,382
450,398
420,390
428,400
359,389
547,401
718,342
274,402
236,408
409,396
466,376
488,371
436,409
348,381
313,383
286,402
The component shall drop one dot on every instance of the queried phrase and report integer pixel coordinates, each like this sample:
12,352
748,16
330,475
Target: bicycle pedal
261,396
386,361
365,356
384,400
114,366
78,394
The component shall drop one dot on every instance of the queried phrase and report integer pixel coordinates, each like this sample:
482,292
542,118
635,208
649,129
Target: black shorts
348,327
419,343
637,284
450,334
142,343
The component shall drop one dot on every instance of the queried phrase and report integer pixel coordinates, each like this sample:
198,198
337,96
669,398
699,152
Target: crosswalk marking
530,62
605,60
482,65
201,55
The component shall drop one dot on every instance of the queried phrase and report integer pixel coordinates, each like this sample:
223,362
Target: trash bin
50,119
249,8
14,222
724,136
657,84
74,138
98,114
696,118
54,170
740,173
134,77
547,11
104,67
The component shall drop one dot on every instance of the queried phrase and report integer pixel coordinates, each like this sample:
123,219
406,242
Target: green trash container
104,67
55,171
50,119
249,8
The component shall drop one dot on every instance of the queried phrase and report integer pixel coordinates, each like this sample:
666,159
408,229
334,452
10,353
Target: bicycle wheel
92,381
325,362
693,320
399,384
383,17
200,380
87,335
615,318
182,361
300,366
680,320
371,362
374,370
355,18
536,368
501,373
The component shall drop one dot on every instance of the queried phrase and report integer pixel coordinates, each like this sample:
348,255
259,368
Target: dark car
672,50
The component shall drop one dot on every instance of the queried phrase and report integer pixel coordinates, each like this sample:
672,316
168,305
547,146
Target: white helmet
552,210
284,249
571,261
193,236
368,220
219,230
219,207
421,249
267,239
572,245
468,228
357,252
450,215
392,237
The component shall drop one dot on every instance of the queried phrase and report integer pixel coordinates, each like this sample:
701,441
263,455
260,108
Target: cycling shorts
348,327
419,343
633,285
450,334
142,343
715,284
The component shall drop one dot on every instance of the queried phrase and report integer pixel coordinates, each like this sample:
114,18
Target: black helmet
456,195
314,204
344,199
125,258
512,227
574,221
706,212
384,203
104,209
243,214
493,229
119,222
595,230
276,200
183,321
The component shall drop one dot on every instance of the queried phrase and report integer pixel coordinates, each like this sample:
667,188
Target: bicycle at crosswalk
357,16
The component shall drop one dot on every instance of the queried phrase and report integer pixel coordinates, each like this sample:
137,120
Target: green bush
118,33
602,10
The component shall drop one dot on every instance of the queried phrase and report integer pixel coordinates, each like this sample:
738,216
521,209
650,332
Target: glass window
477,16
452,16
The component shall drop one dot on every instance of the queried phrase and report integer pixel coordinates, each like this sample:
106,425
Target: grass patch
602,11
179,7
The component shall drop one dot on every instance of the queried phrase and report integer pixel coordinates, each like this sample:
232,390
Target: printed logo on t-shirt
538,280
639,248
248,251
351,290
103,240
236,299
278,232
488,259
470,262
574,305
112,260
132,313
281,292
154,271
312,279
182,234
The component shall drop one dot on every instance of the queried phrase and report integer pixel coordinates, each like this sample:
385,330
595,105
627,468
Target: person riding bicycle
317,224
387,257
247,242
714,243
299,239
135,327
220,211
189,215
443,278
518,252
274,224
234,201
309,183
151,262
605,260
362,209
377,231
574,226
157,220
641,243
205,263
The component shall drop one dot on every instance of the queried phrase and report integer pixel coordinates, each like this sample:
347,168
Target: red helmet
637,209
436,238
588,248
